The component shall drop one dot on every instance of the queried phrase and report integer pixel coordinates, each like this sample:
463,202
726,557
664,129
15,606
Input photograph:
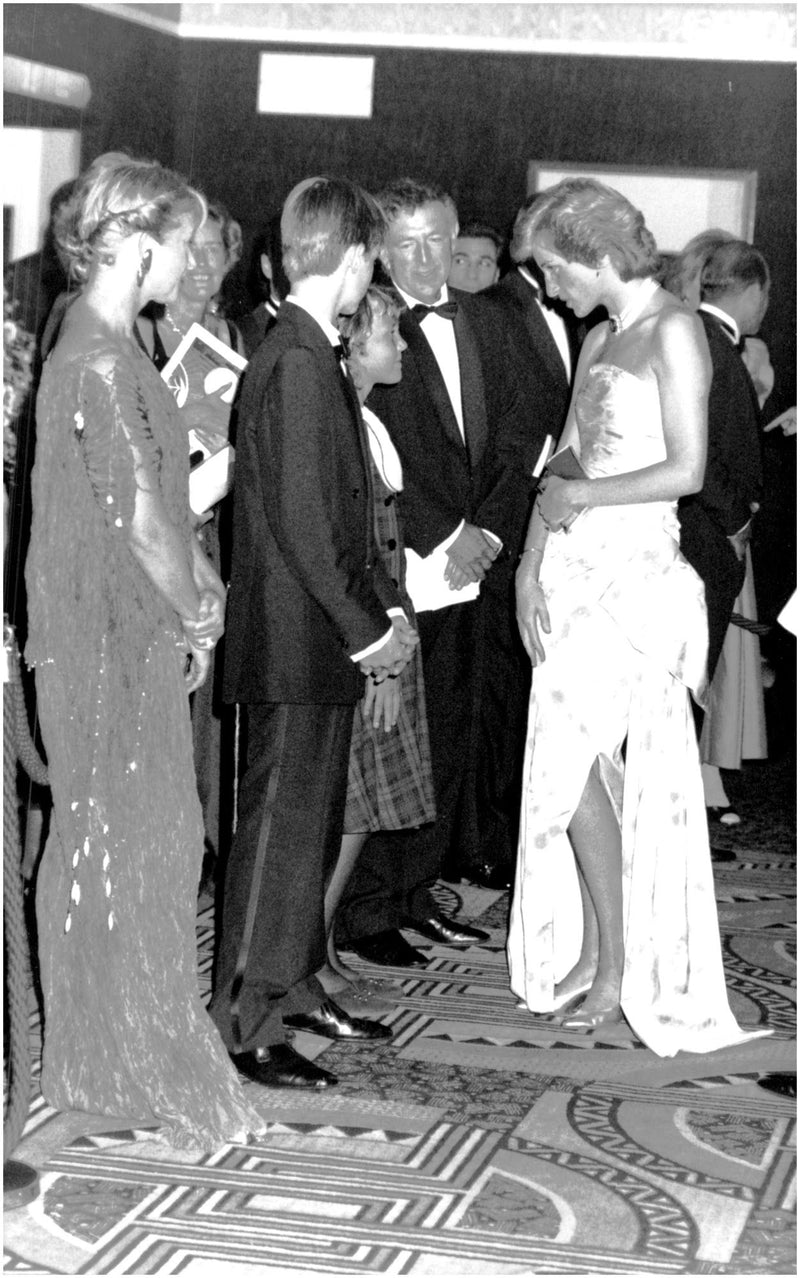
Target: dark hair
118,196
731,268
322,218
267,243
588,221
230,231
378,299
683,268
482,231
405,195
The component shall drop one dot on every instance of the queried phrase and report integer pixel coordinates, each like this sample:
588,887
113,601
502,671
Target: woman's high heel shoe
593,1020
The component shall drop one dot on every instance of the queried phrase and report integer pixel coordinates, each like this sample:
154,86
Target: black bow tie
447,310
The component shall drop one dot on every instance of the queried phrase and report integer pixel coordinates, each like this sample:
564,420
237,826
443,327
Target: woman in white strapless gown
613,910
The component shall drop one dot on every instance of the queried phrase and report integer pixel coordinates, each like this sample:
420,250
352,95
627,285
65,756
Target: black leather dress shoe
332,1021
780,1084
447,931
390,949
497,877
281,1066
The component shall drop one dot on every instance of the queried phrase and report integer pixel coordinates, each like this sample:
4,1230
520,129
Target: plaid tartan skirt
389,784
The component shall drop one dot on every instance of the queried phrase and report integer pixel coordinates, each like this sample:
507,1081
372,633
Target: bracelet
532,550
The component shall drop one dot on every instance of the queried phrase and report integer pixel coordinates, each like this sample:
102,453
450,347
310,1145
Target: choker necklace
634,308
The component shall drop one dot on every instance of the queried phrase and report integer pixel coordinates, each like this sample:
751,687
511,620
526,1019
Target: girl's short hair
118,196
379,299
588,222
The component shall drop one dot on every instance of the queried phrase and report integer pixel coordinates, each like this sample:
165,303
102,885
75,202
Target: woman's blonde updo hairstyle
116,197
589,221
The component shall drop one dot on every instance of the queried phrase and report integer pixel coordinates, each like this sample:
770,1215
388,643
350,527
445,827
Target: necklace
171,323
635,307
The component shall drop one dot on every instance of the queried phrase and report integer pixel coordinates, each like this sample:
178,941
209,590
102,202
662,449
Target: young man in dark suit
716,523
455,421
310,608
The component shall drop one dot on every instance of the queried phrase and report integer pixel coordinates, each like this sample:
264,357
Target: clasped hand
556,503
469,557
209,626
394,655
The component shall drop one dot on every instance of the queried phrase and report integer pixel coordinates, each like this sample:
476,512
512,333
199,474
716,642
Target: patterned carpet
481,1140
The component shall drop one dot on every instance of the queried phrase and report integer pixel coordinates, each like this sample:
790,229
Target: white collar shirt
440,336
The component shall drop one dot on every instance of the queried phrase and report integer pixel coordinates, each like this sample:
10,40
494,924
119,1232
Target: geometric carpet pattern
481,1140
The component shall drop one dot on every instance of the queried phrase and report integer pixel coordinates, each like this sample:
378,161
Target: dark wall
473,121
131,71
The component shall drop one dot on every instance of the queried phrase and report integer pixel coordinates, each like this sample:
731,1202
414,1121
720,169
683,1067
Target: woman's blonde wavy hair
116,197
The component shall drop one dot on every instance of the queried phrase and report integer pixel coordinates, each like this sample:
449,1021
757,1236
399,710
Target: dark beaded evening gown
125,1031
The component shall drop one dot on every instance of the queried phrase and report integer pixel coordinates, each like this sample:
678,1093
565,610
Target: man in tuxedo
455,421
542,345
547,337
716,523
310,607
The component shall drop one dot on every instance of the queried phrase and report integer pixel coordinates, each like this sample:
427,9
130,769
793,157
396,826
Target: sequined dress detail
125,1033
627,647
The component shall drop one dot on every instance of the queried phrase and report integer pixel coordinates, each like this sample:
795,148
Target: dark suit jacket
543,379
254,328
445,480
307,586
732,480
733,463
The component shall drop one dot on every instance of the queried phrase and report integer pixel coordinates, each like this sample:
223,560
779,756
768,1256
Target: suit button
387,501
391,543
395,582
356,492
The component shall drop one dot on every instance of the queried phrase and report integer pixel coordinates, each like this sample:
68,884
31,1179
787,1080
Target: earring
145,262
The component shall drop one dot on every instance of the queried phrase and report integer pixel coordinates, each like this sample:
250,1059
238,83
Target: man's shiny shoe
446,931
332,1021
390,949
281,1066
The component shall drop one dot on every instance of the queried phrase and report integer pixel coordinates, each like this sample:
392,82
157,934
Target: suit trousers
291,811
396,869
490,808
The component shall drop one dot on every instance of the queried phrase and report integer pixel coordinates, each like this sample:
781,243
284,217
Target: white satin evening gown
627,647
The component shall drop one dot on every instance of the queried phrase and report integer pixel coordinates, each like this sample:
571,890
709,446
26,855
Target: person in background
310,609
268,281
124,613
477,251
614,621
390,785
716,523
208,422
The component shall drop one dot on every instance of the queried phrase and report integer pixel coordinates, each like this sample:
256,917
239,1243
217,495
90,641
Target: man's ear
383,258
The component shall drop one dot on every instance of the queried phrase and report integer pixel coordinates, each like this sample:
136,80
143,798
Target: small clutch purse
565,464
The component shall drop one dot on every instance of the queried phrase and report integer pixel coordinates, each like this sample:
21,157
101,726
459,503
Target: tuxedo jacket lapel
473,398
430,374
